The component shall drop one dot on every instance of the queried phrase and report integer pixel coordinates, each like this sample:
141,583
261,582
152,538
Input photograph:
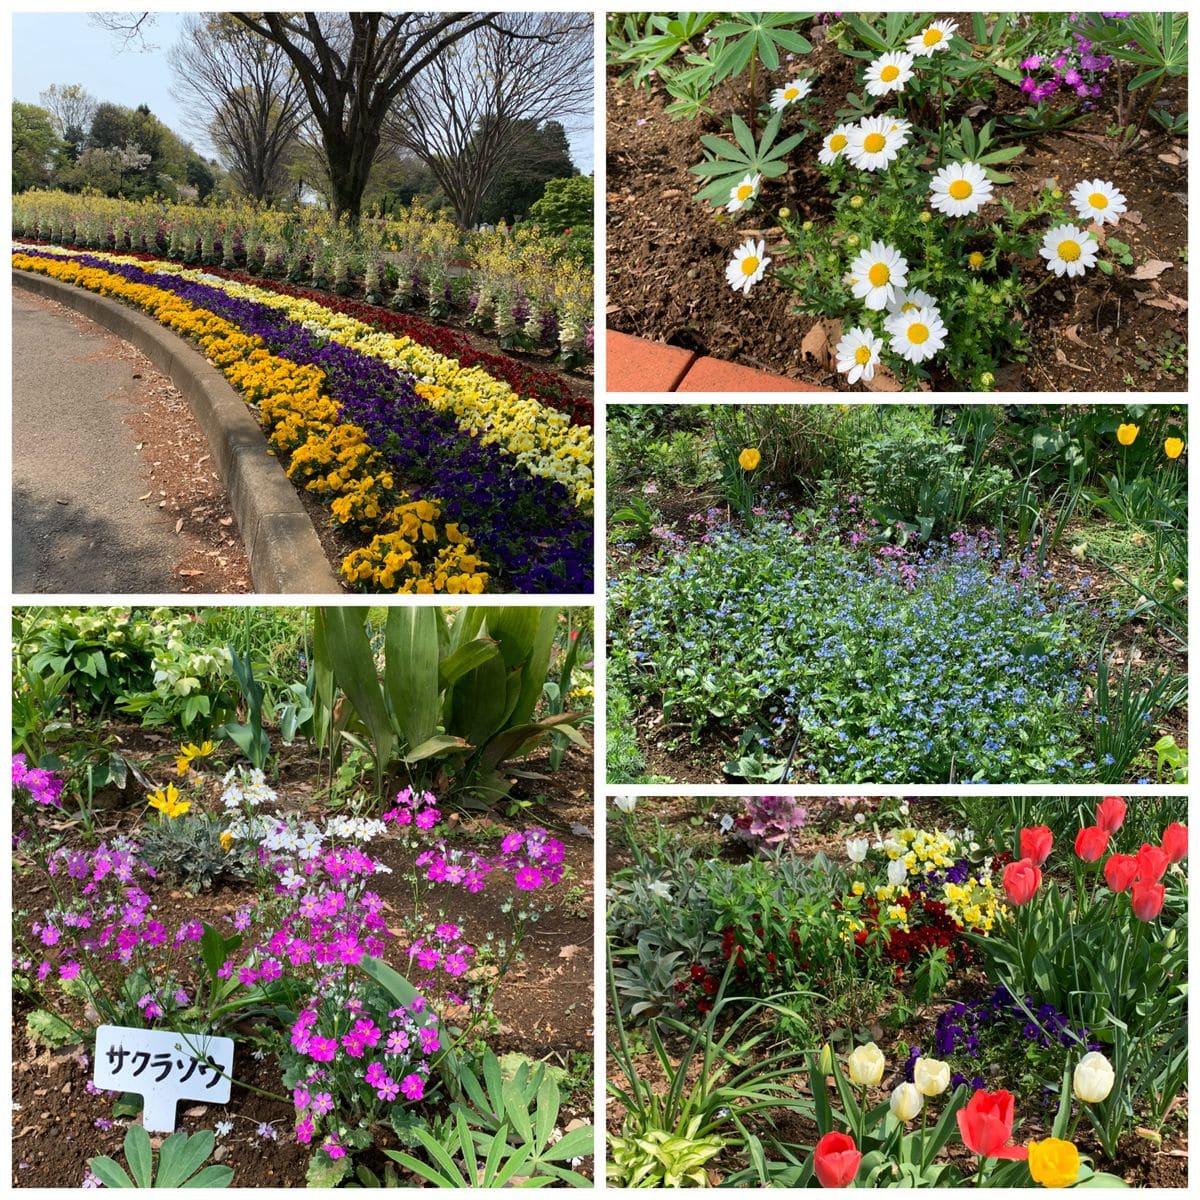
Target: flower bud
1094,1078
897,872
856,202
925,217
825,1064
807,226
986,379
931,1076
906,1102
865,1065
852,240
785,213
856,849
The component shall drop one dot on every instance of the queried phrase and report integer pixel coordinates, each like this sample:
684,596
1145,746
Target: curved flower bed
371,439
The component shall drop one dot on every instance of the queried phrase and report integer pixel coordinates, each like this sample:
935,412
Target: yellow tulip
1053,1163
1173,447
749,459
1126,434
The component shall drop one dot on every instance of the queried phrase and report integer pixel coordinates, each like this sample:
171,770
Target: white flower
223,1128
743,194
625,803
934,37
875,142
726,823
906,1102
931,1076
749,262
796,90
857,354
1098,200
860,818
960,189
865,1065
878,271
897,872
856,849
834,144
904,300
1068,250
889,73
917,334
660,887
1093,1079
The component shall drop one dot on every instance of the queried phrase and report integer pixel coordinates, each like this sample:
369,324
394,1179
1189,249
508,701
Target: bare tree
245,95
130,27
354,66
71,107
469,109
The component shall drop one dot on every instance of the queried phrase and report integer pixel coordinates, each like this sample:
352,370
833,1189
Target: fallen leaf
146,496
819,343
1071,333
1172,160
883,381
226,521
1170,301
179,525
568,952
1152,269
189,574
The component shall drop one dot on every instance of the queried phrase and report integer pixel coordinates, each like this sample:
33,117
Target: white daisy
1098,200
858,353
743,194
960,189
932,38
1068,250
749,262
878,271
796,90
834,144
874,143
906,299
917,334
889,73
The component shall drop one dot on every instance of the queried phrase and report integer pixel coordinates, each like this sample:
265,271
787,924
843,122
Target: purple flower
413,1087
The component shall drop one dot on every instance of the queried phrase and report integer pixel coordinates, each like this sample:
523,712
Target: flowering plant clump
35,785
770,823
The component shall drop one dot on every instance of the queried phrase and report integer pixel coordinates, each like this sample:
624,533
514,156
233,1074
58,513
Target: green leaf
441,743
181,1156
139,1156
49,1029
325,1172
109,1172
213,1176
411,671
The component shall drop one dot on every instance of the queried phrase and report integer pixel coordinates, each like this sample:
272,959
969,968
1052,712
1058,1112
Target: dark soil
667,254
543,1005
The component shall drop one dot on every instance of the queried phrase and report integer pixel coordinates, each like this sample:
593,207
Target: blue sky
66,48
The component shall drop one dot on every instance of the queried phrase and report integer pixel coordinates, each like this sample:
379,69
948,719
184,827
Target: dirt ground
543,1005
667,254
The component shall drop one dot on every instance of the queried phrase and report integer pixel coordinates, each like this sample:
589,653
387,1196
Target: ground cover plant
904,200
364,857
897,594
443,476
895,995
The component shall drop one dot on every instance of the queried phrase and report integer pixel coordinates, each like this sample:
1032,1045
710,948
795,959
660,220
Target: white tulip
897,872
856,849
866,1064
906,1102
625,803
1094,1078
931,1075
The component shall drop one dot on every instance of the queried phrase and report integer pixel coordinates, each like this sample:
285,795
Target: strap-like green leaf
139,1155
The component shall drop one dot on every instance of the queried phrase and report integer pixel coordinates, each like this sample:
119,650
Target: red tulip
1091,842
1174,841
1036,844
1120,871
1110,812
835,1160
986,1125
1021,881
1147,899
1152,863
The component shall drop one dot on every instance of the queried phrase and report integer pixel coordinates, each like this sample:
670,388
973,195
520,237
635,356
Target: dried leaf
179,525
146,496
568,952
1071,333
190,574
883,381
1152,269
819,343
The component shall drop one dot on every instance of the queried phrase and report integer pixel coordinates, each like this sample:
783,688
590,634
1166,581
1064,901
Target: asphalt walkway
81,520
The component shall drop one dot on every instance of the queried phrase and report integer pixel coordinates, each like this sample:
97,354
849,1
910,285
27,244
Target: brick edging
282,546
636,364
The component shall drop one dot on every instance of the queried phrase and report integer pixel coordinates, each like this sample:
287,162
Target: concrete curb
284,552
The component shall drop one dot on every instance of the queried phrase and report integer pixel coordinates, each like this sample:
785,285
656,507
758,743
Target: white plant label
163,1067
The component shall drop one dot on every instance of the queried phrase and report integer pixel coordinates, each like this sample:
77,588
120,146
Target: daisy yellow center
879,274
837,142
960,189
1068,250
909,306
932,37
862,355
749,264
918,333
745,191
889,73
874,142
1098,200
790,93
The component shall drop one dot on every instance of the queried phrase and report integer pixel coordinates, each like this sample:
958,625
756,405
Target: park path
111,491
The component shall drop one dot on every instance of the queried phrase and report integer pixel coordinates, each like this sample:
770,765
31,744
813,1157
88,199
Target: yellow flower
975,260
168,802
186,753
1053,1162
1173,447
749,459
1126,434
226,841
